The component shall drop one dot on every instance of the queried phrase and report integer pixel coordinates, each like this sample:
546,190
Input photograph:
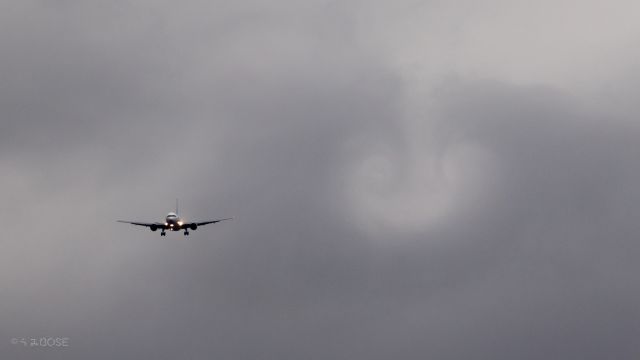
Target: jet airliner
173,222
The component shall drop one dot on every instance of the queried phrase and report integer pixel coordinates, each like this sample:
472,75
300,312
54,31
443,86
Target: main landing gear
163,233
186,233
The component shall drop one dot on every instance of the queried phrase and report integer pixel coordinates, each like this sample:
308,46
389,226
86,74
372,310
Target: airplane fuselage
173,222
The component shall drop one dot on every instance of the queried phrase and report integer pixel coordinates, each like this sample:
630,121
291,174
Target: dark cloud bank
265,113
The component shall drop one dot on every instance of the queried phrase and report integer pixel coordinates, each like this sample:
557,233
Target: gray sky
408,179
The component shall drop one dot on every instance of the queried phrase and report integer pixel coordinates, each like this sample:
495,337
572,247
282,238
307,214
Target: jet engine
193,226
153,227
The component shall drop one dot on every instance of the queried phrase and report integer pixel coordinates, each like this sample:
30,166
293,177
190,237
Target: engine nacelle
193,226
153,227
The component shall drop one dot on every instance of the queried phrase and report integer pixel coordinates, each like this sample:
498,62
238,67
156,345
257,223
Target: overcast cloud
408,179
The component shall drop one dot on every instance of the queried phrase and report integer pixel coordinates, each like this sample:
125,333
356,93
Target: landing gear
163,233
186,233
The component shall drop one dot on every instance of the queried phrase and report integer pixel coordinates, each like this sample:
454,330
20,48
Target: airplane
173,222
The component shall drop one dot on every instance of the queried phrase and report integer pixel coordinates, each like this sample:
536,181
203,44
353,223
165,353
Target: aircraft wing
157,224
209,222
